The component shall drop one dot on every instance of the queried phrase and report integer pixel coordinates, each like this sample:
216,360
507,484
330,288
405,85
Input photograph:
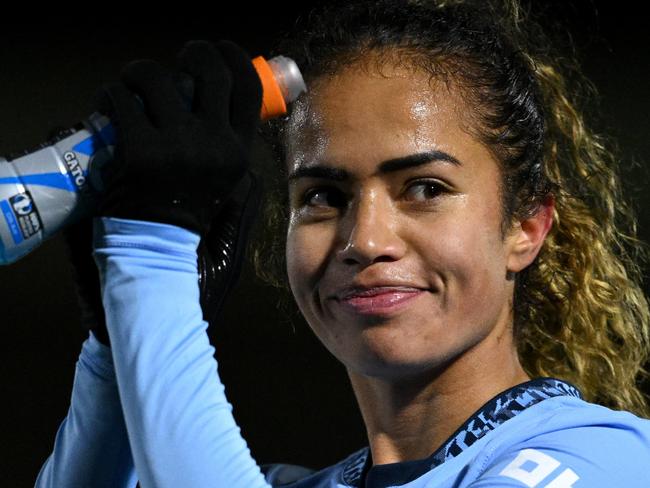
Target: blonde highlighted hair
587,316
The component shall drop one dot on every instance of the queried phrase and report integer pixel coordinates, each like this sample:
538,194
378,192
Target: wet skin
420,369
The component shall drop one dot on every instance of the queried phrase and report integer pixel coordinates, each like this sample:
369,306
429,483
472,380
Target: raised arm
180,424
175,172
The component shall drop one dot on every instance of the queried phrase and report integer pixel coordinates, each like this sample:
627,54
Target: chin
392,364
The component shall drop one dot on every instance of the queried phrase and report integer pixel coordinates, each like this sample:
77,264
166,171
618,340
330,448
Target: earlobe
528,238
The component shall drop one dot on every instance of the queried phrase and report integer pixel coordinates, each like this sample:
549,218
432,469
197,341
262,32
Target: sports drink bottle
58,183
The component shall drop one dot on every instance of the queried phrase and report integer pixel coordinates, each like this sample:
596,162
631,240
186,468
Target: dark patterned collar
502,407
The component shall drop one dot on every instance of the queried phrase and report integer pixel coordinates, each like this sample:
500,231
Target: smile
382,303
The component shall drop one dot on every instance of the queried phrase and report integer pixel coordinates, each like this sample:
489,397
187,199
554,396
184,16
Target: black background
291,399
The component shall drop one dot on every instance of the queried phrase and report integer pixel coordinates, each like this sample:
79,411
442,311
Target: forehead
375,115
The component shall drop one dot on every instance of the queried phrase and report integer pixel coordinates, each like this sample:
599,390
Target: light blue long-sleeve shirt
153,407
178,422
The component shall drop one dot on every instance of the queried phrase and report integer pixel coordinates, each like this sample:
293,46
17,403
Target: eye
424,190
323,196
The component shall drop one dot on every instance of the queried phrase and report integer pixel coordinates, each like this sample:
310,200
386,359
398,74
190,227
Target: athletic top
153,408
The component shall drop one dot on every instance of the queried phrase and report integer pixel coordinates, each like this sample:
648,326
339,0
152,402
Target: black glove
173,163
79,240
220,258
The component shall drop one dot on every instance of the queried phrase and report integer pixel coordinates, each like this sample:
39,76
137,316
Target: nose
370,232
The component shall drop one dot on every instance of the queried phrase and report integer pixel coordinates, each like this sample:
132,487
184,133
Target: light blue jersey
153,407
560,442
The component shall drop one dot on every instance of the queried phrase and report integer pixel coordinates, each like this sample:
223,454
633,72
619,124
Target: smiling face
371,216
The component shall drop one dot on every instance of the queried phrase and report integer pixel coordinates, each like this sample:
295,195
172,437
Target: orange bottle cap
273,104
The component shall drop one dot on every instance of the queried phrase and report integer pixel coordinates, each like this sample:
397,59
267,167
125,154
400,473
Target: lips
379,300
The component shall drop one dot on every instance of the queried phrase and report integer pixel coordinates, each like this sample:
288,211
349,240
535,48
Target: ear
527,236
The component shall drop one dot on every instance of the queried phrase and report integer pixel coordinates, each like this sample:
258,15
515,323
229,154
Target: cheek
297,258
466,250
306,252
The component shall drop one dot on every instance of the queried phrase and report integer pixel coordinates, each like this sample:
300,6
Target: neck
409,418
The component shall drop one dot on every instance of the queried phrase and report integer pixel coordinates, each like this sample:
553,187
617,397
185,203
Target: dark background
291,399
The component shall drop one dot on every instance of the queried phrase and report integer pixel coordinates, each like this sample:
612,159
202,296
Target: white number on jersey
531,467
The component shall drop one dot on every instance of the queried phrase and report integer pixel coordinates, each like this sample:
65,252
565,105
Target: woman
455,236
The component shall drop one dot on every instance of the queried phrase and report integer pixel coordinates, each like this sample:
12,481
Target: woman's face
422,242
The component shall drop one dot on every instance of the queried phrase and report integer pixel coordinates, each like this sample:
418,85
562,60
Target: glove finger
120,105
212,80
246,97
155,86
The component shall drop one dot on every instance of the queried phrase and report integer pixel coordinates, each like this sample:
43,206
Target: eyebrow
389,166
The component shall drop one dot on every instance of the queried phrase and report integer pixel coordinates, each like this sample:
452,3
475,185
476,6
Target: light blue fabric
91,448
179,424
562,440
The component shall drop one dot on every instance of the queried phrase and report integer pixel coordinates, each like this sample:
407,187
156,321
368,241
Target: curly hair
580,313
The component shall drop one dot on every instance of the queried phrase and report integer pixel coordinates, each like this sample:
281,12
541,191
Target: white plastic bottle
59,182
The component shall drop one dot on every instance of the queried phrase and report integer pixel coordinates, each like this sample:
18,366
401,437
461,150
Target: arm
91,446
180,425
174,171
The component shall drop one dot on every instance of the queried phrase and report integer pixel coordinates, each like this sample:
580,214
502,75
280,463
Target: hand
173,163
220,258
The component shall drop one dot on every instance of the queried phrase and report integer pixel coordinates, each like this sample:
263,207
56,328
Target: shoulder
569,440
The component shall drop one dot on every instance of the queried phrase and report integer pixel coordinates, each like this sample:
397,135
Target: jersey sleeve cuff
155,236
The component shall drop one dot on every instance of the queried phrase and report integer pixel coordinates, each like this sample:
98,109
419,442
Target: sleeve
91,447
597,456
179,422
